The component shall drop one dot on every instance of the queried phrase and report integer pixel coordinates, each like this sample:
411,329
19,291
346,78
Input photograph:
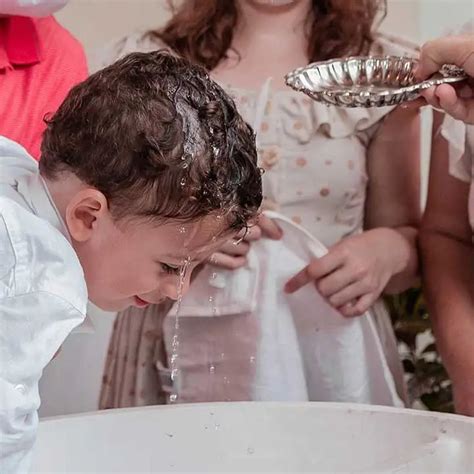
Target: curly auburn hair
159,139
202,30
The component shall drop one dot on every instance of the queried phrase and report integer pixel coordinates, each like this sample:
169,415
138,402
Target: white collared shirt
43,296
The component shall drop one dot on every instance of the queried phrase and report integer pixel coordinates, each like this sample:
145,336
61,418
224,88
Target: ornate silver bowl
374,81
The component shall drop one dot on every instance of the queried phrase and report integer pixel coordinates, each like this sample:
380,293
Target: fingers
228,262
315,270
458,50
253,233
269,228
454,104
363,304
335,282
235,250
431,97
349,293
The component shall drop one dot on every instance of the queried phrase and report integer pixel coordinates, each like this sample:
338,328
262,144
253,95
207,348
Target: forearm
449,288
406,259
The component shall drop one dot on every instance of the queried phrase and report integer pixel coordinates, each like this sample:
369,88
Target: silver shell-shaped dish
374,81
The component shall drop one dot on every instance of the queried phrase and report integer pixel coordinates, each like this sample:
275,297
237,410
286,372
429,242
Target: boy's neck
62,190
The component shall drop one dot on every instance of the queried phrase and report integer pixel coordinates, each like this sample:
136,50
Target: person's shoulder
50,31
139,41
37,258
10,148
60,47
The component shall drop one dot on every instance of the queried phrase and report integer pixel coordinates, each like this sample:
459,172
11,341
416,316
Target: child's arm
32,327
448,259
35,317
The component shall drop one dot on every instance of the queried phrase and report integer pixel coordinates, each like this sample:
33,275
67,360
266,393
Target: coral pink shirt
39,63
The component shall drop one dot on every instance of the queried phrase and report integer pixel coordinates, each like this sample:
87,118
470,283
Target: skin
131,262
448,262
456,100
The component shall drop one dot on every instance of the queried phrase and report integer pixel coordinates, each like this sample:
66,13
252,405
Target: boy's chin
112,306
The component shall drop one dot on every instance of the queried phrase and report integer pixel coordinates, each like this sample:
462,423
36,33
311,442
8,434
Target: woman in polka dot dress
348,176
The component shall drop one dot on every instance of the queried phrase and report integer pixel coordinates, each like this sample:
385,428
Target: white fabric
43,296
460,138
34,8
307,350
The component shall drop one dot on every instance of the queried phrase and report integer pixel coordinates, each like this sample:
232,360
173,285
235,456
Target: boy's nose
171,288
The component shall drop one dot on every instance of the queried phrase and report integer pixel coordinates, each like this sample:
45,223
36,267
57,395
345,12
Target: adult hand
455,99
355,271
233,254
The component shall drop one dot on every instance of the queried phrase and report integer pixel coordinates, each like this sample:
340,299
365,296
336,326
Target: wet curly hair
159,139
202,30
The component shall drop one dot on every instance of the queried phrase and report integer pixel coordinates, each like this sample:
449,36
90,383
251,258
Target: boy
146,169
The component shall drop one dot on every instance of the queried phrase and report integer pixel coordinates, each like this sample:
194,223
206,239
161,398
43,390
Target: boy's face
136,263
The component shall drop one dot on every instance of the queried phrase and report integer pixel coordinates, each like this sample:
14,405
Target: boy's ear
83,212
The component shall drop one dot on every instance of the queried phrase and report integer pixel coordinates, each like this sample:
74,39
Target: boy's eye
169,269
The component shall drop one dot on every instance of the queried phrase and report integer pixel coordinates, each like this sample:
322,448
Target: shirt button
20,388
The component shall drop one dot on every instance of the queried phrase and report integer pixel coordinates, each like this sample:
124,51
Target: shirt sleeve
33,325
459,137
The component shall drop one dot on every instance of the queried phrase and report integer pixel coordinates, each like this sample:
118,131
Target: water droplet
213,305
252,360
250,450
185,165
212,369
175,341
214,275
217,426
183,181
174,374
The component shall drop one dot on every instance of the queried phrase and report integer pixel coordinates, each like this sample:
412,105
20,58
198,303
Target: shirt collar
20,172
37,195
19,42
